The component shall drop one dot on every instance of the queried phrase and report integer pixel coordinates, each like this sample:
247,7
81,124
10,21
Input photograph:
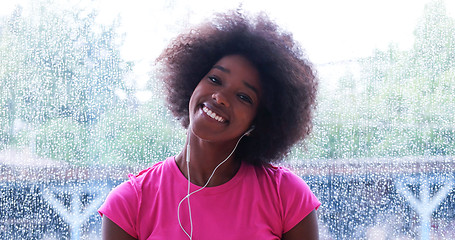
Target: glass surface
80,108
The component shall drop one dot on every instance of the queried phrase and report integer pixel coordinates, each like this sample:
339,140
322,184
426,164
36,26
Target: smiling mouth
213,115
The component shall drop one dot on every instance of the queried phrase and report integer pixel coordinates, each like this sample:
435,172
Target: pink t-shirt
257,203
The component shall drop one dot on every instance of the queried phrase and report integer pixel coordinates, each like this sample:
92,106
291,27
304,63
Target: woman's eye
246,98
214,80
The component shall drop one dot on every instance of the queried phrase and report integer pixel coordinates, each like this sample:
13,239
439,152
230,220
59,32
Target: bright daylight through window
80,109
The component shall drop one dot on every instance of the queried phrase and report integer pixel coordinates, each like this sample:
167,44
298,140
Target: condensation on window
80,108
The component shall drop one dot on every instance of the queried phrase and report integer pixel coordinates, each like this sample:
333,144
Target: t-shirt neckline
182,180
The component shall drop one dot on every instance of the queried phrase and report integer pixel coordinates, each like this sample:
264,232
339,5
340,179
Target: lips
213,115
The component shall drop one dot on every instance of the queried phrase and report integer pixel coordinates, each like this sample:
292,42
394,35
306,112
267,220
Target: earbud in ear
247,133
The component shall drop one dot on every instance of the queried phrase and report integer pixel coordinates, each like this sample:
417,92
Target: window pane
80,108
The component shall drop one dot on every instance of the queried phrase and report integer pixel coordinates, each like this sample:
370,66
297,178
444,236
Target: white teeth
212,114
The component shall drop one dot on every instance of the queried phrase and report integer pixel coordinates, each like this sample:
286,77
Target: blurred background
80,108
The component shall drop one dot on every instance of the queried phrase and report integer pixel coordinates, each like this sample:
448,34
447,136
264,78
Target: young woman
245,92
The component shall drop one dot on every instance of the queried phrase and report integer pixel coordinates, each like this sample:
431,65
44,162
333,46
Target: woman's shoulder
290,188
280,174
284,180
151,174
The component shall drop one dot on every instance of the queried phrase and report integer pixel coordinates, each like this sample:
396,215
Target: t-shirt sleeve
122,204
297,199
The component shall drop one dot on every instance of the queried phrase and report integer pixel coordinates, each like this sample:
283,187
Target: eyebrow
251,87
222,69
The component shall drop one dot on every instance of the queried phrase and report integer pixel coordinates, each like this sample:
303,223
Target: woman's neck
204,158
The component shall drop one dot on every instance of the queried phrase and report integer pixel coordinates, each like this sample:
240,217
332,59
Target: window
80,108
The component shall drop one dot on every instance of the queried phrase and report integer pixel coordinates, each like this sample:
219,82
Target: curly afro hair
288,79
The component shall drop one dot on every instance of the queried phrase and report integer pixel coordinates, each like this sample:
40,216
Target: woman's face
224,103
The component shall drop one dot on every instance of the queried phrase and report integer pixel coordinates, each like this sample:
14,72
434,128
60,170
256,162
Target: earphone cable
190,236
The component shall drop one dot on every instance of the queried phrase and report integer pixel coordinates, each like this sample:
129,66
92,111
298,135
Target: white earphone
247,133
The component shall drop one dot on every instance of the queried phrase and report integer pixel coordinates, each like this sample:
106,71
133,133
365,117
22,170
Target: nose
220,99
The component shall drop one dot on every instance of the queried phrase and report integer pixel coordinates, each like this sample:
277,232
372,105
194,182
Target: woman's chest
228,215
